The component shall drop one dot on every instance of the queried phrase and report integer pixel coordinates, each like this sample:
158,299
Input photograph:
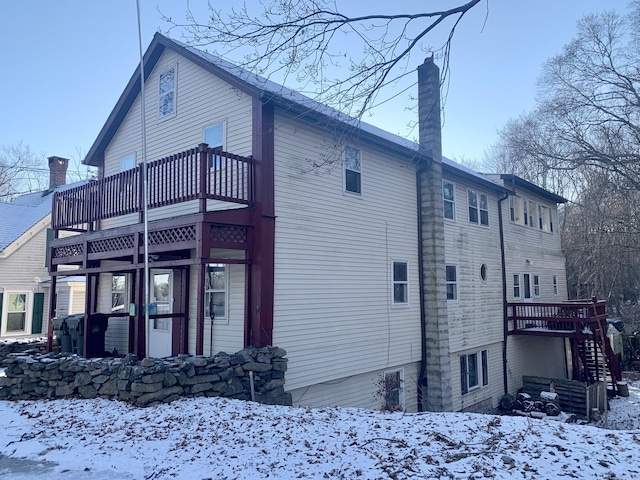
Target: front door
161,293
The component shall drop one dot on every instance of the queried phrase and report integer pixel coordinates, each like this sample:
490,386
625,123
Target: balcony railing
200,173
573,318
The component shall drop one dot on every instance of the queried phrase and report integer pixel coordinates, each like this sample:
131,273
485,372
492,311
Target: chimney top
429,59
57,171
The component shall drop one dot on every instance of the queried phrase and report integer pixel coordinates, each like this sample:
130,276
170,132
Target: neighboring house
374,262
24,288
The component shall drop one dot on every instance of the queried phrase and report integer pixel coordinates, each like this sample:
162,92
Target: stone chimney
438,394
57,171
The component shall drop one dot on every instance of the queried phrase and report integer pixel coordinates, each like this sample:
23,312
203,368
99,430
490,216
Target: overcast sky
66,62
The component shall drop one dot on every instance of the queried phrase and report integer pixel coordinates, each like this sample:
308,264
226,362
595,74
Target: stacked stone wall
149,381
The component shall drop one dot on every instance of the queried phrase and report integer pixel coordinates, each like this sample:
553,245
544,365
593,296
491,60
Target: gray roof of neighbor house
306,109
24,212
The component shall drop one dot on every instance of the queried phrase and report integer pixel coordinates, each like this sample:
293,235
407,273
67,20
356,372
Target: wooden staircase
598,361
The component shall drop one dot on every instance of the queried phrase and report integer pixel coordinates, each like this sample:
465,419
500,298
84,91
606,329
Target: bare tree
588,107
300,38
21,171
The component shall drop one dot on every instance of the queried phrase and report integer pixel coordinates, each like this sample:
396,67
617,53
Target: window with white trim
555,285
393,390
215,293
128,162
478,207
167,93
544,218
452,282
400,283
516,285
536,285
119,302
533,214
449,199
474,371
352,170
16,313
214,137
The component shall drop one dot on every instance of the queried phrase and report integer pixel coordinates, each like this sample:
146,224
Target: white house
273,219
24,285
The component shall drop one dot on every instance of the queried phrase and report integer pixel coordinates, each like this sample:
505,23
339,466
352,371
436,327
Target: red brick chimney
57,171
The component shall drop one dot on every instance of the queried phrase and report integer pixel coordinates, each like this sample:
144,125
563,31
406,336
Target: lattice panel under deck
69,251
112,244
173,235
228,234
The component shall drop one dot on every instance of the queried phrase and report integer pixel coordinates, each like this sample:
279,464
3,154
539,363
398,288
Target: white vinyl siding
332,258
24,266
204,100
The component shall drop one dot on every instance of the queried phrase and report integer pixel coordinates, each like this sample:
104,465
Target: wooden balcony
199,174
582,322
574,319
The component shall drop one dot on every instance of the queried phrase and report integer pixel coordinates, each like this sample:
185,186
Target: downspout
422,376
505,321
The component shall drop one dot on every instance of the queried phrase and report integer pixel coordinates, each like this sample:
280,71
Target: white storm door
161,293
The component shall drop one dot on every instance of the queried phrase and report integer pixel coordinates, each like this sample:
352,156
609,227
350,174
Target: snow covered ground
223,439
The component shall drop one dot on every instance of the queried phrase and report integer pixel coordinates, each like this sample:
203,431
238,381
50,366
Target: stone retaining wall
149,381
31,345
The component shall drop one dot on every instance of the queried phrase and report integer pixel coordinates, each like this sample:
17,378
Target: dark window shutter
464,374
36,318
1,295
47,255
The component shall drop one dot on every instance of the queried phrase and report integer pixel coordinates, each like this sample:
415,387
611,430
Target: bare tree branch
302,38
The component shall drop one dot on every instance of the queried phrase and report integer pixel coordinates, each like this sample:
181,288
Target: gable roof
24,212
304,107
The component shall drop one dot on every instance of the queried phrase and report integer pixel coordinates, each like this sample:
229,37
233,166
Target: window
526,280
478,207
474,371
512,209
400,283
352,170
128,162
545,221
452,282
393,390
555,285
449,198
516,286
525,211
533,213
214,137
215,295
17,313
167,93
119,293
536,285
483,272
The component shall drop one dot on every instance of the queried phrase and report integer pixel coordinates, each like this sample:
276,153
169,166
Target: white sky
65,63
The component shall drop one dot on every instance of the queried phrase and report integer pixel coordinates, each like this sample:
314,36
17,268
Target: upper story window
167,93
536,285
452,282
516,286
449,199
478,207
400,283
215,293
352,170
533,214
214,136
128,162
